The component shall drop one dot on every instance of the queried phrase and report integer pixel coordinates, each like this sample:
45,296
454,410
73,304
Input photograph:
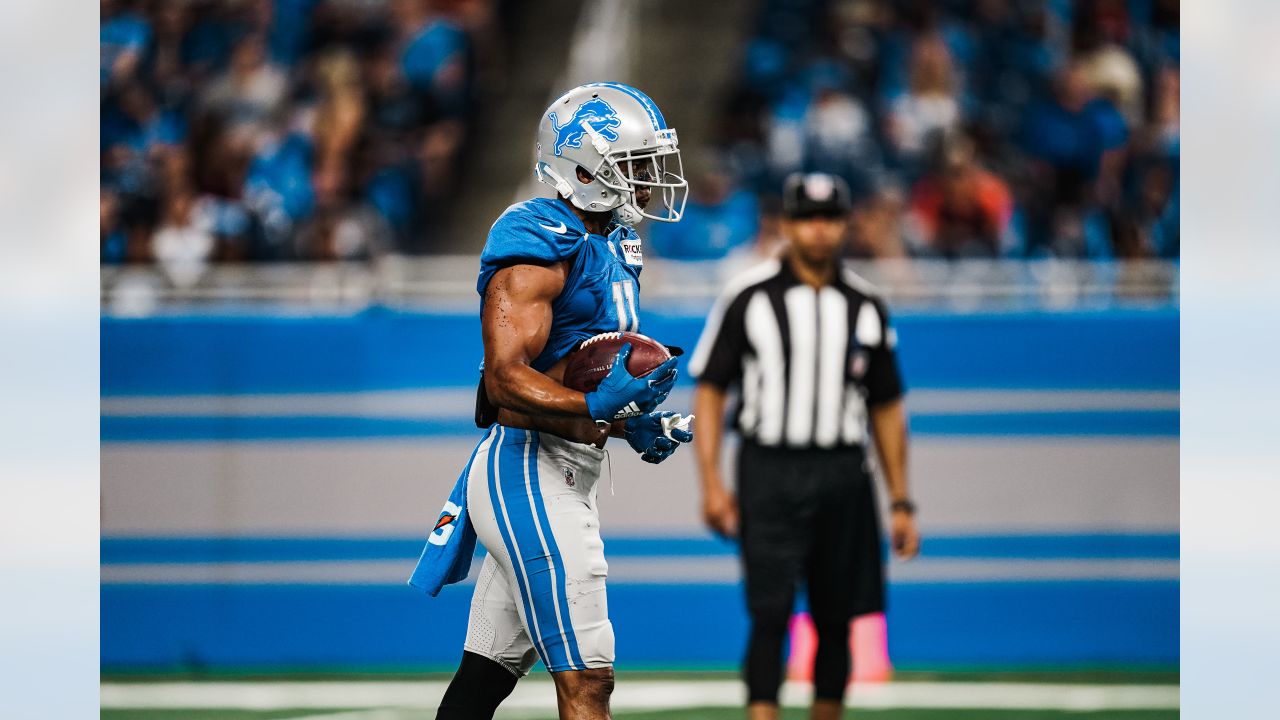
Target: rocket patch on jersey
631,253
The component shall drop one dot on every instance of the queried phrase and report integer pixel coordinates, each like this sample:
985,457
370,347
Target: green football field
711,696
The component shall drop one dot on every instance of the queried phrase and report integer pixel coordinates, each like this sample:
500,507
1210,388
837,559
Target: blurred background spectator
261,130
929,105
958,208
281,129
995,128
718,218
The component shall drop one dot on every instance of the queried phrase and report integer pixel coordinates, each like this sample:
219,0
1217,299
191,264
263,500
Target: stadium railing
397,281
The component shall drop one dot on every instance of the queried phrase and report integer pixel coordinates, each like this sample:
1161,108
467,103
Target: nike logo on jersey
555,228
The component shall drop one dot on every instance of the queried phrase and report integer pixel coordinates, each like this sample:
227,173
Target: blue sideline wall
267,480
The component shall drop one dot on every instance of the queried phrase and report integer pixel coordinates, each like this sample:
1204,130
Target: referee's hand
905,536
720,512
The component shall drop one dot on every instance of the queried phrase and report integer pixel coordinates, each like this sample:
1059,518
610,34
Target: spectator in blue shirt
434,55
434,66
1074,133
278,190
1013,64
113,244
1076,144
136,135
288,30
765,66
717,219
123,37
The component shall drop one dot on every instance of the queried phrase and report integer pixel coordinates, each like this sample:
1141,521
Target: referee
808,345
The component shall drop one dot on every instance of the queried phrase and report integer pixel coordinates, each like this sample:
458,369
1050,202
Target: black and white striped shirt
808,362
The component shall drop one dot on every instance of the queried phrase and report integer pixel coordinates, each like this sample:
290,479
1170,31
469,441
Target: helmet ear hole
584,177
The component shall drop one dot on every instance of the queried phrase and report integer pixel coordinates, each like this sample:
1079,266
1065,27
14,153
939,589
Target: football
589,363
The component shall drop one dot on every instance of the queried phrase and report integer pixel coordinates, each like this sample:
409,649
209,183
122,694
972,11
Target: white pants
541,592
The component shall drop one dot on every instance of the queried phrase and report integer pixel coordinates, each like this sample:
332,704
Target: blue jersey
602,290
601,294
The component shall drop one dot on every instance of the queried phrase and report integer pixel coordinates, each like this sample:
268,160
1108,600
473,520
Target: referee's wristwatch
903,505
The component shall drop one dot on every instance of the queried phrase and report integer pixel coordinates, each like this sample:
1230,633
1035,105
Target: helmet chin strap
561,185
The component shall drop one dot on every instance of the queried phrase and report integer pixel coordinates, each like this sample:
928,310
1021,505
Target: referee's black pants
806,515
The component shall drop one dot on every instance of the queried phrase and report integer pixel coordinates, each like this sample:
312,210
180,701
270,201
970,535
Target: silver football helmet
618,136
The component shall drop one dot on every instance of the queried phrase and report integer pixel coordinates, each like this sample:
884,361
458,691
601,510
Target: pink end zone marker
868,646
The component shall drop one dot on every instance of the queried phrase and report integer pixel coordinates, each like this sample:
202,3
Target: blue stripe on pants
542,566
497,501
561,580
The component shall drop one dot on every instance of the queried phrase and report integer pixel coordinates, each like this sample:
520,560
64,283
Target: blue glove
620,395
654,439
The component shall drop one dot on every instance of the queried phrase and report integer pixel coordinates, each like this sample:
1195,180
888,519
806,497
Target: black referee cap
815,194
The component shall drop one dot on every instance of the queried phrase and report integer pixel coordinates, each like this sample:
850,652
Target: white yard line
420,714
539,695
376,714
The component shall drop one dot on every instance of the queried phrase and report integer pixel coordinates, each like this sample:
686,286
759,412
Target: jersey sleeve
883,382
526,234
717,360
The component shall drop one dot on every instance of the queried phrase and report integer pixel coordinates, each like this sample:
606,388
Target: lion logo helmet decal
596,113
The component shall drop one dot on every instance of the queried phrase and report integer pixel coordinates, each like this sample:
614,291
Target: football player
553,273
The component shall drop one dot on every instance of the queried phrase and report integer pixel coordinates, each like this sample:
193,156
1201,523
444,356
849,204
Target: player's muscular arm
578,429
515,324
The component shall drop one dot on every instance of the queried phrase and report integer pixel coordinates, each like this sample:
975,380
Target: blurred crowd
246,130
966,129
281,129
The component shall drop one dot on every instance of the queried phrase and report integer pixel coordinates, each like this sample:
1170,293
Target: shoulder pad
534,230
539,231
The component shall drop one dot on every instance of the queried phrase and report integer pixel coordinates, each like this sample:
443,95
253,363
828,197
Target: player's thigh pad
532,501
494,627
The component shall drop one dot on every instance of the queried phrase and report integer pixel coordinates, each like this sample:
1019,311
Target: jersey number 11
624,301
